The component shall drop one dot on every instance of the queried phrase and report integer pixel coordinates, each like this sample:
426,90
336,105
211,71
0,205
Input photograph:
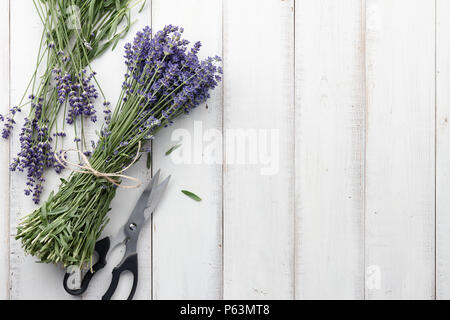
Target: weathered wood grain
259,200
400,159
330,123
356,95
442,150
187,235
4,152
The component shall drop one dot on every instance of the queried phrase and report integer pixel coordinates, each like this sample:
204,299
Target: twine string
86,168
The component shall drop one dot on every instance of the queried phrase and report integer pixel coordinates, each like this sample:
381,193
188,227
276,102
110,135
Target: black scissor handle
129,264
102,248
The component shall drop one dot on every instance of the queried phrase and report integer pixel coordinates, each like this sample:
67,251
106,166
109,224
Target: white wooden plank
442,150
329,149
259,204
187,235
4,152
28,278
111,80
400,159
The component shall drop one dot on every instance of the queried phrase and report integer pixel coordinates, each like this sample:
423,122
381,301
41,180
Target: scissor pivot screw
132,226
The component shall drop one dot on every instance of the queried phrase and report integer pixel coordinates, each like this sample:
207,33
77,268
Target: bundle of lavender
75,32
164,79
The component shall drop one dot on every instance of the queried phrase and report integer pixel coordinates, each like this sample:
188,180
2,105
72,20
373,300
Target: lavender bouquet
164,79
75,32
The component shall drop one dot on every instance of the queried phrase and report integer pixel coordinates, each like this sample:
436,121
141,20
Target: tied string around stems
87,168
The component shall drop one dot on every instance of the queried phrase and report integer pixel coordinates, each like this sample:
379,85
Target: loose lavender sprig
164,79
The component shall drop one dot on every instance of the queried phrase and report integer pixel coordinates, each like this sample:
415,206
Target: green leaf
44,211
50,197
91,13
113,29
58,211
143,5
115,42
102,34
191,195
173,149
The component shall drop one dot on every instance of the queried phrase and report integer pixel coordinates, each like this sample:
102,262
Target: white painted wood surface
4,153
187,255
357,93
400,155
329,149
442,150
259,94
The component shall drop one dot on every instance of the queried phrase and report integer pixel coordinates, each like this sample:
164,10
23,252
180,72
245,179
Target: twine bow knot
86,168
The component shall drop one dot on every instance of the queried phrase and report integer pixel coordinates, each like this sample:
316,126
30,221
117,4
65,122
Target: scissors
128,235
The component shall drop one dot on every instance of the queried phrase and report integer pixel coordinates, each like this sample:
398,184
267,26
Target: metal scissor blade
141,212
137,215
155,197
153,181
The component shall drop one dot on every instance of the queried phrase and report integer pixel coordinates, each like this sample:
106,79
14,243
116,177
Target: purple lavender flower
107,112
9,125
35,156
162,70
79,92
59,134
